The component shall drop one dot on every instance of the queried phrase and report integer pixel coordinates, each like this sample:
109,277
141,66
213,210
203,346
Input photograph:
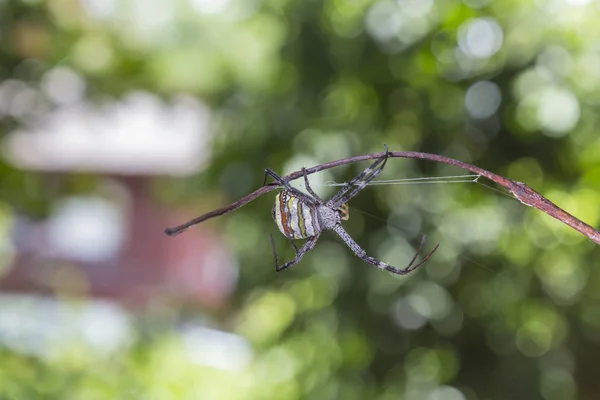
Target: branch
521,191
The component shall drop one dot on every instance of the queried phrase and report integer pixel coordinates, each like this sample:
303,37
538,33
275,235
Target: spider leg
294,245
277,178
274,251
308,246
359,252
285,183
308,188
350,190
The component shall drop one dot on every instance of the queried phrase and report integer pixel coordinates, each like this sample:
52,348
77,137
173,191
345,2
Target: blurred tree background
509,306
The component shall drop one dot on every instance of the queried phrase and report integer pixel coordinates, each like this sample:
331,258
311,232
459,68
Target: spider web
413,181
468,178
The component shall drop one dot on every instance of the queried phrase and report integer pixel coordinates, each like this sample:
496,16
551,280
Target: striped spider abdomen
295,218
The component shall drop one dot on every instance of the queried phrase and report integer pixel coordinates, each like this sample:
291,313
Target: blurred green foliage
509,305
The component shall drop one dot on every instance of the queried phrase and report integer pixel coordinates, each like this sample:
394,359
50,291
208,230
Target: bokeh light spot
483,99
534,339
480,38
63,85
446,393
558,111
406,316
88,229
415,8
209,6
384,20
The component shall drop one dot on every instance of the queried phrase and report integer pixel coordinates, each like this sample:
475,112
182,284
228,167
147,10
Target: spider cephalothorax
300,215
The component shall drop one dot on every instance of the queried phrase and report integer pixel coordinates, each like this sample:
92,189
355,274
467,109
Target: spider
304,216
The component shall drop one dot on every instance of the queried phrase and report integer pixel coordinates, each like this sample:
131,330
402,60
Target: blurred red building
111,243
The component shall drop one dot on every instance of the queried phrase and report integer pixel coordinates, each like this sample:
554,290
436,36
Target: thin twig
520,190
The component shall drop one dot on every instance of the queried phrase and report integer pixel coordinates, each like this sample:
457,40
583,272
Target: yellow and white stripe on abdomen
292,208
294,219
309,223
278,217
